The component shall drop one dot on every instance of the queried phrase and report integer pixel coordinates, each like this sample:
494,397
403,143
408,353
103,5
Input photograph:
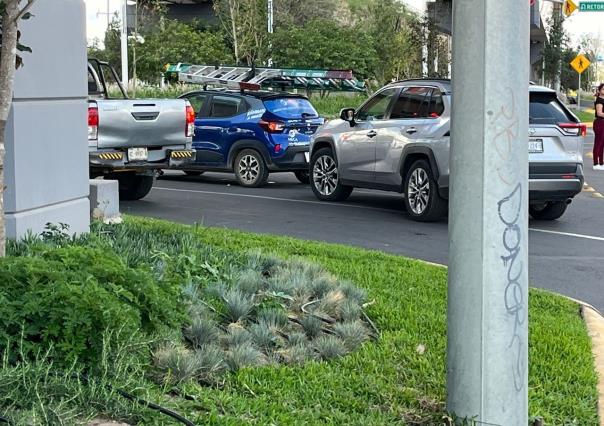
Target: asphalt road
566,256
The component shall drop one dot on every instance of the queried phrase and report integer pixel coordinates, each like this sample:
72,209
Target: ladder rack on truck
251,78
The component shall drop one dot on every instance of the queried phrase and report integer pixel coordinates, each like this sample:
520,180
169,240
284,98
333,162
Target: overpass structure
441,12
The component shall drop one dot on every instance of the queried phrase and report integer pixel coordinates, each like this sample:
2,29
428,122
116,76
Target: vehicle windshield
291,108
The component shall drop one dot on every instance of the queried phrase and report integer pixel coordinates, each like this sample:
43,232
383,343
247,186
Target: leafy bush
68,296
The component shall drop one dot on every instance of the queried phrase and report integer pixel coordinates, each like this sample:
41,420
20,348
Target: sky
577,24
96,16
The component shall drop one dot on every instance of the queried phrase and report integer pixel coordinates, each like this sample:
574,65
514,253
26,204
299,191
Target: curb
595,327
594,321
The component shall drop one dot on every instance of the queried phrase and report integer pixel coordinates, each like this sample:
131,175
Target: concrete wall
46,151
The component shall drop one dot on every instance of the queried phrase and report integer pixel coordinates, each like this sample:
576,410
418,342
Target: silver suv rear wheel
548,211
418,190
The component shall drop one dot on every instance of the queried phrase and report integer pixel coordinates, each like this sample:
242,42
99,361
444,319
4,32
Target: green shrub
68,296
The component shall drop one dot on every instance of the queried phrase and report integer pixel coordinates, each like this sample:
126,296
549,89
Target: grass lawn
390,382
585,117
385,382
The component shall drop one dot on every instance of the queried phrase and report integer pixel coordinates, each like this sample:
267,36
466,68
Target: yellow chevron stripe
111,156
182,154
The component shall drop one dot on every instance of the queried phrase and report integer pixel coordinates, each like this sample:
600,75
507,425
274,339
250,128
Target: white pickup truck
131,140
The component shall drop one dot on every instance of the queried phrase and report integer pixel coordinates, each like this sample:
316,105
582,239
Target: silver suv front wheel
422,199
325,179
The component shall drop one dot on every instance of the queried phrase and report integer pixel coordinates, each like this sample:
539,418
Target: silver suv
398,140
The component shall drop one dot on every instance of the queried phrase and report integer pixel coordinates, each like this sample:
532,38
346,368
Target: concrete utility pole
487,355
124,44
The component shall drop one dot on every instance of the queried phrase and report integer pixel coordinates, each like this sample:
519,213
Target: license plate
307,157
137,154
536,145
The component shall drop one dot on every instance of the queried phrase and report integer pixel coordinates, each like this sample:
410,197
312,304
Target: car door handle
372,134
411,130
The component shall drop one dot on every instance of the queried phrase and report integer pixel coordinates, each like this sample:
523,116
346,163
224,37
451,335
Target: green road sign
591,6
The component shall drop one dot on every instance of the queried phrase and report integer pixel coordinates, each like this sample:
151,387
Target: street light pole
270,30
134,48
124,44
487,319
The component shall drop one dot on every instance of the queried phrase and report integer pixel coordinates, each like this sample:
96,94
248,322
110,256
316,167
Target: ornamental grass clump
269,312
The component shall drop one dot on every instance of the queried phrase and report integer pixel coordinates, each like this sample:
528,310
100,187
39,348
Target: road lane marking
595,194
323,203
568,234
264,197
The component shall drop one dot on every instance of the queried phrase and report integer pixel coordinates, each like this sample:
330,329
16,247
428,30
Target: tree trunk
8,55
234,17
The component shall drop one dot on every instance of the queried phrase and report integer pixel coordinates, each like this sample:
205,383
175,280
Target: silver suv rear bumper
554,189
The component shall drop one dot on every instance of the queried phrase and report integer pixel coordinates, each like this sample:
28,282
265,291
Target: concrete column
487,344
47,139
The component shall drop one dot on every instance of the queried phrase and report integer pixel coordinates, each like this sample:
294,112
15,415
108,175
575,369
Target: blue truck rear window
291,108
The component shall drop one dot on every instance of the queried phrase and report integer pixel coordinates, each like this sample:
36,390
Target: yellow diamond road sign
580,63
569,7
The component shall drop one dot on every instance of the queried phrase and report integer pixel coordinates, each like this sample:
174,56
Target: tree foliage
325,45
245,24
165,41
557,43
381,40
397,36
172,42
296,12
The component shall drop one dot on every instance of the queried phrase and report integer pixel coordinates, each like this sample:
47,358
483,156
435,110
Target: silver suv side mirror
347,114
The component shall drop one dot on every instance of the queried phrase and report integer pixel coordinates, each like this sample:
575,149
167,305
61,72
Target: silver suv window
411,103
376,107
437,106
545,108
418,102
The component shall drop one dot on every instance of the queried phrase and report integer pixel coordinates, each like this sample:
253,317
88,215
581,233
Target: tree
171,41
591,44
553,51
10,15
112,45
244,22
569,79
437,46
397,40
325,45
296,12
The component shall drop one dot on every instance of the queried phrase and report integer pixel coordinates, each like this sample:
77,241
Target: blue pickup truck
252,133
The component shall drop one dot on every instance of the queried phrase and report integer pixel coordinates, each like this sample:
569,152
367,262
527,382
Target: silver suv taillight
575,129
